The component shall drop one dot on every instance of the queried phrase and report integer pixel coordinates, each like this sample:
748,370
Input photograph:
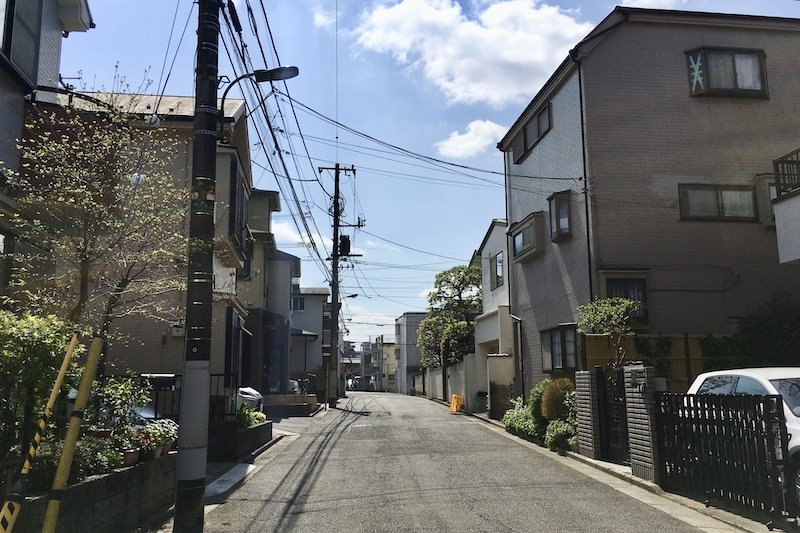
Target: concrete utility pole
334,365
195,386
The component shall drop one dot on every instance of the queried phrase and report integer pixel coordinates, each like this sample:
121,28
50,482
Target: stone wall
123,500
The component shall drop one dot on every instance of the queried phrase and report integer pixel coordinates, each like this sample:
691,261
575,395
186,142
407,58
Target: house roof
321,291
621,15
180,108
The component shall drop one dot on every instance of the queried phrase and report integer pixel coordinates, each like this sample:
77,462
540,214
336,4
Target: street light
261,76
195,389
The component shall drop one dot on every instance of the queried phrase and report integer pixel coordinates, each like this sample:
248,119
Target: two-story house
31,32
494,328
643,168
305,359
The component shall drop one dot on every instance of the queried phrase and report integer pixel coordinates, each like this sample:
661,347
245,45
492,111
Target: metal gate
499,400
614,446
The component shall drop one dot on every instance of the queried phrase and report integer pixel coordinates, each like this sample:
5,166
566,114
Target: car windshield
790,390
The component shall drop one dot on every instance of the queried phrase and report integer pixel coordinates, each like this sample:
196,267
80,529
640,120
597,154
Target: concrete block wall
588,414
639,394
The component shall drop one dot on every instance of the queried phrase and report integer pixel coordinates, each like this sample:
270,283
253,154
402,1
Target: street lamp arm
261,75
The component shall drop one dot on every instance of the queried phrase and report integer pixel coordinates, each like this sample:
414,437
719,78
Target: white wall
787,220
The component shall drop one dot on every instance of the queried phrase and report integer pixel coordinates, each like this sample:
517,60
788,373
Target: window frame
298,303
532,226
555,202
496,277
685,188
642,317
524,141
26,74
701,72
567,361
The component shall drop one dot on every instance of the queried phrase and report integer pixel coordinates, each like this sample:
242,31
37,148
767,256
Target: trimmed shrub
553,407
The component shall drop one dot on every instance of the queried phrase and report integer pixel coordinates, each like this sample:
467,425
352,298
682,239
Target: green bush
92,456
246,416
559,433
535,403
553,407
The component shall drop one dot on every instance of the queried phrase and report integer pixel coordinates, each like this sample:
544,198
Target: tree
447,332
31,351
609,316
102,215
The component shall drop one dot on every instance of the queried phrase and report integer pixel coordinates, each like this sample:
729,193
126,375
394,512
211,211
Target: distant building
407,353
305,360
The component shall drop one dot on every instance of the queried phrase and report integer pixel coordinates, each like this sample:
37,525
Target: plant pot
165,449
130,457
157,451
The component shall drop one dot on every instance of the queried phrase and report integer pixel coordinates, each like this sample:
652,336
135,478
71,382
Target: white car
780,380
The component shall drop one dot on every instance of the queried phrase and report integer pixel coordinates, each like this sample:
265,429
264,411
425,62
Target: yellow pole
16,495
71,439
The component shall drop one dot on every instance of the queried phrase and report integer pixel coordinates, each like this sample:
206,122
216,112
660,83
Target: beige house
643,168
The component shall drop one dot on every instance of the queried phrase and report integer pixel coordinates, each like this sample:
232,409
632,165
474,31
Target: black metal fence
166,396
728,447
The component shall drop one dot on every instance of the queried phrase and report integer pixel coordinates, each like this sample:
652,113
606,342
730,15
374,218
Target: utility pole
333,366
195,385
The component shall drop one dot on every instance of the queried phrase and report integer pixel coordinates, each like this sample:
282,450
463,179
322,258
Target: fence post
588,414
639,398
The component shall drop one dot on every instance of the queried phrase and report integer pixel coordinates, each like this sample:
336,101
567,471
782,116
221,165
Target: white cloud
501,55
480,136
654,4
286,234
323,19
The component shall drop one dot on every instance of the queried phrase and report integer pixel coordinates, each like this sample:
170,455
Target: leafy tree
31,351
447,332
609,316
106,217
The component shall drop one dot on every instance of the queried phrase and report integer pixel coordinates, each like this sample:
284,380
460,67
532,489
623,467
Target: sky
413,95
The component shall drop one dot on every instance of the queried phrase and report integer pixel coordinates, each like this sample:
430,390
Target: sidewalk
757,522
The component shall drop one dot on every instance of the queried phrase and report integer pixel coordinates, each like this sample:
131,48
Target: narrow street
388,462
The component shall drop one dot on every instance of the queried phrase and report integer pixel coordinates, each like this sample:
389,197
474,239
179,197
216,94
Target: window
748,385
20,29
237,223
717,385
559,216
298,303
6,249
496,270
527,236
531,133
717,202
727,72
631,288
559,349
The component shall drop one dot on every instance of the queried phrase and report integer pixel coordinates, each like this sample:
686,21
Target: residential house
407,353
305,359
152,346
267,288
386,364
643,168
30,57
494,327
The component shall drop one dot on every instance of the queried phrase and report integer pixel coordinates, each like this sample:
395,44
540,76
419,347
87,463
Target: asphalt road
388,462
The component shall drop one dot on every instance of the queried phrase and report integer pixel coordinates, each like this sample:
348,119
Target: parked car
758,381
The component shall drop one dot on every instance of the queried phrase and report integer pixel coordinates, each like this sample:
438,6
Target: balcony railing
787,173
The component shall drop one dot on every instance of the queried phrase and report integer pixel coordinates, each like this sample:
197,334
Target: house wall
546,289
787,220
308,354
408,355
646,134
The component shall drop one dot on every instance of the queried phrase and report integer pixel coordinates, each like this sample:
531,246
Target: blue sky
414,84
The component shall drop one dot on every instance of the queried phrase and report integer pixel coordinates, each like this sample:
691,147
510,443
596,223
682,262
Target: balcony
787,206
787,173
